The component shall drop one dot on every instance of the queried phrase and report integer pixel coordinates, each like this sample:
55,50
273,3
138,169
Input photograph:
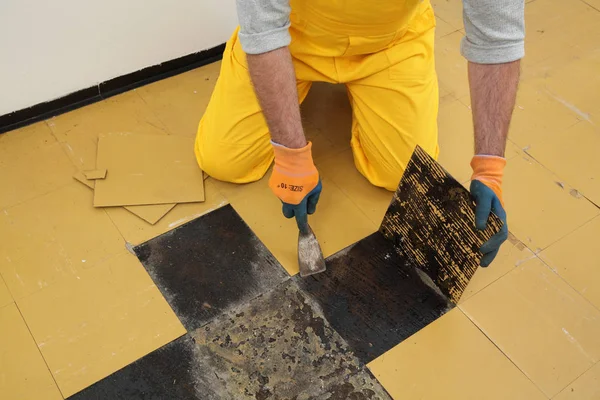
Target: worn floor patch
209,265
279,346
431,220
373,298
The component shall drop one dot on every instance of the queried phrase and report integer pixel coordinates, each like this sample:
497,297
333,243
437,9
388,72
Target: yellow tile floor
528,327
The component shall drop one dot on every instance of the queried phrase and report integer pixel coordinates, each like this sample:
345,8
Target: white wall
52,48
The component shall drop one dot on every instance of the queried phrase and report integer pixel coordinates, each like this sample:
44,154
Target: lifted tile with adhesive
209,265
147,169
277,346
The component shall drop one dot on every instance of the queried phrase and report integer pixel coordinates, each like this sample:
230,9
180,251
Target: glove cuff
294,162
489,170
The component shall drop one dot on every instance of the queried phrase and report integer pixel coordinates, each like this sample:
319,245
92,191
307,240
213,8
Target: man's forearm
493,95
274,82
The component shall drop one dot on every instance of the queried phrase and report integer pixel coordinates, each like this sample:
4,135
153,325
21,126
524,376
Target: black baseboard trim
120,84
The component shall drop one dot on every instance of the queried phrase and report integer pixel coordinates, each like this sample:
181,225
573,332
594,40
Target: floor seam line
503,353
40,351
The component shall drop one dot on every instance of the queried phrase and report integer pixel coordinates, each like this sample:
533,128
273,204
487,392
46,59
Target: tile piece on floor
90,325
209,265
578,165
576,259
540,208
26,174
147,169
450,11
337,223
431,221
22,368
136,231
150,213
277,346
512,254
543,325
179,101
5,296
371,200
586,387
372,298
451,359
52,237
456,139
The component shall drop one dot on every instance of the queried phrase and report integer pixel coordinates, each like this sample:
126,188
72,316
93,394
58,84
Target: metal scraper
310,256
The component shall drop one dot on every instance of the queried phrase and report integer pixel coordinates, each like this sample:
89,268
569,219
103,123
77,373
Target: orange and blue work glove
486,188
295,180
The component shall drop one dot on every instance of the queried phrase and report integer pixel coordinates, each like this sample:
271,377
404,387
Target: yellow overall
381,50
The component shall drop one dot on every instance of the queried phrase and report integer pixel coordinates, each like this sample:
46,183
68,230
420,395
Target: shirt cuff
263,42
492,54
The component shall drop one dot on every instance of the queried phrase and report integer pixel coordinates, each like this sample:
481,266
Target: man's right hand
295,181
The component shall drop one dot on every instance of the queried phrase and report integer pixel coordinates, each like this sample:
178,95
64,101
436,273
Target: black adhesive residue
372,298
167,373
209,265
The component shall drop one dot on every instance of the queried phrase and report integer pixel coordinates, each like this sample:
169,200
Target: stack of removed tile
146,174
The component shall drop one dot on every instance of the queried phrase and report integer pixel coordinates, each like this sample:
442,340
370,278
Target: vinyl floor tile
90,325
574,258
586,387
179,102
540,210
24,375
451,359
542,324
52,237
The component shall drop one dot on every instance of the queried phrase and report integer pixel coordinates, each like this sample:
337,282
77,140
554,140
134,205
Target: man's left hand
486,188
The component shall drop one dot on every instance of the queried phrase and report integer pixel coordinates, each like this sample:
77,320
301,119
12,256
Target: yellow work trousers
390,77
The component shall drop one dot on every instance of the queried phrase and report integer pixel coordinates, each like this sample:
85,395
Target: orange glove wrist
294,174
489,170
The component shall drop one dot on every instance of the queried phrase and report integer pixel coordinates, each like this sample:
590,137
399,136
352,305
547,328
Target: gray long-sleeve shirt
495,29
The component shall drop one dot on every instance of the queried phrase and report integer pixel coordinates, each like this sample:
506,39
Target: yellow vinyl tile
31,164
180,101
326,114
576,85
542,324
576,260
573,157
337,223
136,231
451,66
451,359
450,11
26,139
512,254
5,296
586,387
443,28
91,324
371,200
538,115
539,210
79,129
23,373
52,237
456,140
